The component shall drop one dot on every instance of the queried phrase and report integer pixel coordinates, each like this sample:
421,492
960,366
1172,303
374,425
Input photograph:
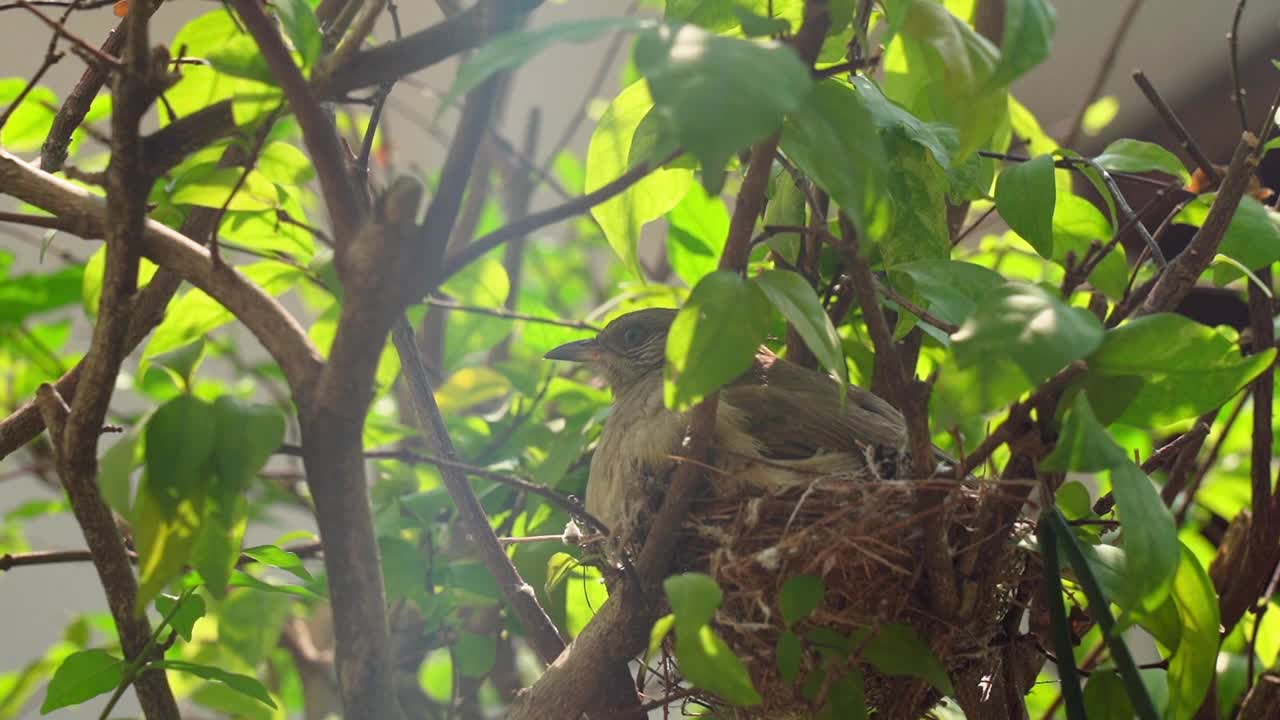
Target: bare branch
1181,274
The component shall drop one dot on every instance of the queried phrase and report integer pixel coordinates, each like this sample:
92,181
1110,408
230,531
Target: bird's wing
795,412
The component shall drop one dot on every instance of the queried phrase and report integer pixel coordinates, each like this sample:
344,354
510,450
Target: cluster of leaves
704,84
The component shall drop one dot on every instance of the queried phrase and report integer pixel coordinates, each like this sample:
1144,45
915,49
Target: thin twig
510,314
1171,121
459,259
1233,47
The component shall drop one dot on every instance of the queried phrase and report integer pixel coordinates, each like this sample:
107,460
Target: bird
777,424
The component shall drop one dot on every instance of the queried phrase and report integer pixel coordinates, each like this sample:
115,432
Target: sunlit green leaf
1028,35
240,683
1149,534
717,94
82,676
897,649
1125,155
300,25
1083,443
209,186
714,337
802,308
833,140
182,620
1191,669
608,157
699,227
26,128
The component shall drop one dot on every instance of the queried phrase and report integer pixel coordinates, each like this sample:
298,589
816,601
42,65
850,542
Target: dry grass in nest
863,539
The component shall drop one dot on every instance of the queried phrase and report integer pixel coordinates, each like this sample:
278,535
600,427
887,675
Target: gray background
1180,43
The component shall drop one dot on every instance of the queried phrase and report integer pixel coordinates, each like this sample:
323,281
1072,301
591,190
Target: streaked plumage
777,423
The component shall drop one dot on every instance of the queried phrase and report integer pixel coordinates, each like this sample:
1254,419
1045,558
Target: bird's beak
577,351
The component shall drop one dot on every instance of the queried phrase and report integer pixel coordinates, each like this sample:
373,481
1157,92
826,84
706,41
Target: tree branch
1181,274
318,132
417,51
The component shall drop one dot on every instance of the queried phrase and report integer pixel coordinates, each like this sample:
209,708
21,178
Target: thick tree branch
417,51
1181,274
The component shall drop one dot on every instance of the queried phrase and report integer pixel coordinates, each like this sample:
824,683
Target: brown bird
778,423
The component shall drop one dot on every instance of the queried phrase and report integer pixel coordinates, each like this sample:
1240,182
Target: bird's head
627,350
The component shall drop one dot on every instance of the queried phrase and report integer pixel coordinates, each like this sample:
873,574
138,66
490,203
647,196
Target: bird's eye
633,337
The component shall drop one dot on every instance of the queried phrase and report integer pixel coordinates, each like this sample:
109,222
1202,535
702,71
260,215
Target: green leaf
939,139
240,57
754,25
26,295
514,49
658,633
1059,626
217,544
699,226
1025,197
941,70
713,338
278,558
585,593
787,206
246,436
1077,223
180,362
1053,531
608,157
1125,155
1149,534
694,598
165,539
848,697
1084,445
195,314
1028,35
1164,367
82,676
799,597
474,655
26,128
179,450
1073,499
896,649
209,186
951,289
799,304
790,654
114,469
708,662
183,620
302,28
719,95
1192,667
911,218
243,684
1252,239
239,578
1105,697
833,140
1028,327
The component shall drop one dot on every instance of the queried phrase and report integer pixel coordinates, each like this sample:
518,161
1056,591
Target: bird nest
864,540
